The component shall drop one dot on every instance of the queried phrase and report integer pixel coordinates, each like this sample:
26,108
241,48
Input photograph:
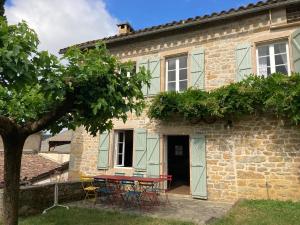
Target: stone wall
34,199
1,202
258,157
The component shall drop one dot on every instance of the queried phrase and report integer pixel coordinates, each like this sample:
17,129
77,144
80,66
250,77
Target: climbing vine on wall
277,94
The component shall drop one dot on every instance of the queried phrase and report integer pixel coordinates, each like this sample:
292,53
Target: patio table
148,194
130,178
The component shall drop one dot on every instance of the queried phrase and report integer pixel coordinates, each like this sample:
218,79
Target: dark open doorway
179,163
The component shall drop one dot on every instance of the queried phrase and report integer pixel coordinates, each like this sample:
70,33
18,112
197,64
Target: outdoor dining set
128,191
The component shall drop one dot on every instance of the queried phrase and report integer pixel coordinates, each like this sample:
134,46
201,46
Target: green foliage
89,89
277,94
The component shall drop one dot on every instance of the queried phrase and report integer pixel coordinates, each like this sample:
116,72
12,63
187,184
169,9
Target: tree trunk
13,147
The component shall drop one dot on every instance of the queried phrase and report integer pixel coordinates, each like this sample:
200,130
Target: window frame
270,45
117,142
177,69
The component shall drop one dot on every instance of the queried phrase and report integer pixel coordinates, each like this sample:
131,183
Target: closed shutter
243,61
296,50
103,151
140,64
198,167
153,159
197,68
140,146
154,68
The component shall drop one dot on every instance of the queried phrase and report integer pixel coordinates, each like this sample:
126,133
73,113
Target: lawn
254,212
80,216
248,212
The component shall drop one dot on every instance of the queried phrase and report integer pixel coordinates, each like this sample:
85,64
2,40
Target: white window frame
177,69
117,149
272,57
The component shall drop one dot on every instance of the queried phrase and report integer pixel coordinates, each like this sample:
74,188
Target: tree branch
6,125
52,116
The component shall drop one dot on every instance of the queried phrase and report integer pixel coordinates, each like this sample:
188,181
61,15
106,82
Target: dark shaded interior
128,148
179,160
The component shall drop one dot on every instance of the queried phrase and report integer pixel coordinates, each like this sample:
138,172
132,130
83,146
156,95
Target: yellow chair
88,186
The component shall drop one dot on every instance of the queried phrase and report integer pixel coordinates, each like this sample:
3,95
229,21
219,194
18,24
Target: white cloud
61,23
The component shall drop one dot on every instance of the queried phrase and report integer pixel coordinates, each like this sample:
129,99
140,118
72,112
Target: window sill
274,27
123,167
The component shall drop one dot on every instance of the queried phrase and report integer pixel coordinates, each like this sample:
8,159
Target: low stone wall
1,202
34,199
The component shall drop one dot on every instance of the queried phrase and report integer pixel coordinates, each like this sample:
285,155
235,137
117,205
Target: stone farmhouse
252,157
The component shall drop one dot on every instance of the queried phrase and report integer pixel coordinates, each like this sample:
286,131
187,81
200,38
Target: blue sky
145,13
61,23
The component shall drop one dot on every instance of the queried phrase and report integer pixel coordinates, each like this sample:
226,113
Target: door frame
165,155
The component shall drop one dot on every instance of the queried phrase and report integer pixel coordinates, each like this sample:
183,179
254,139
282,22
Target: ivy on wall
277,94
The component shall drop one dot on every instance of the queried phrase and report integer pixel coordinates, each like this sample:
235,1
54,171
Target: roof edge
224,15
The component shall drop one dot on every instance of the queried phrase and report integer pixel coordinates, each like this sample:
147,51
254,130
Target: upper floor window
273,58
293,13
123,148
176,72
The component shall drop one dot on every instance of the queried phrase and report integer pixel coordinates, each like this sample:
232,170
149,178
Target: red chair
148,197
165,189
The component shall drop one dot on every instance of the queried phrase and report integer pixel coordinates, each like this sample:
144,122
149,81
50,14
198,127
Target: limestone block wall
219,42
257,158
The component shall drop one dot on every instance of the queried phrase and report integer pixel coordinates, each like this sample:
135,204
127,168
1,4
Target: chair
88,187
138,175
148,198
102,192
119,174
166,189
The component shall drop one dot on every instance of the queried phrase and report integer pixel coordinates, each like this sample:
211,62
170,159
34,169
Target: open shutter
243,61
198,164
140,64
153,162
103,151
154,68
140,143
296,50
197,68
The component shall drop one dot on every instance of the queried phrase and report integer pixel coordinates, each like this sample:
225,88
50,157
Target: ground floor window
123,148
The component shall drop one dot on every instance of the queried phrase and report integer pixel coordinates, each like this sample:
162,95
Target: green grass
262,212
80,216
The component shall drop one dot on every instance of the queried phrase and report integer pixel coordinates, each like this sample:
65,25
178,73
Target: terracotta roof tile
259,6
33,166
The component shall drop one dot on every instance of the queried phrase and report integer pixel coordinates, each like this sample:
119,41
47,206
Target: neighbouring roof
63,136
34,168
175,25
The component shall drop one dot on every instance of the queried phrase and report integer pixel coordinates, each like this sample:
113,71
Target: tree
2,2
38,92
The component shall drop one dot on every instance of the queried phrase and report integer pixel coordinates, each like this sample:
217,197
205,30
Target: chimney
125,28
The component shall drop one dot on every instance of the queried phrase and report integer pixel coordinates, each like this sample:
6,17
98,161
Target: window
123,148
293,13
176,74
273,58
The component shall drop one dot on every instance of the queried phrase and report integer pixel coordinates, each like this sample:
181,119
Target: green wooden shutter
140,143
198,167
154,68
197,68
296,50
103,151
243,61
153,159
140,64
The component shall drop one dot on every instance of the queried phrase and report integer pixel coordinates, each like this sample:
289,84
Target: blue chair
138,175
